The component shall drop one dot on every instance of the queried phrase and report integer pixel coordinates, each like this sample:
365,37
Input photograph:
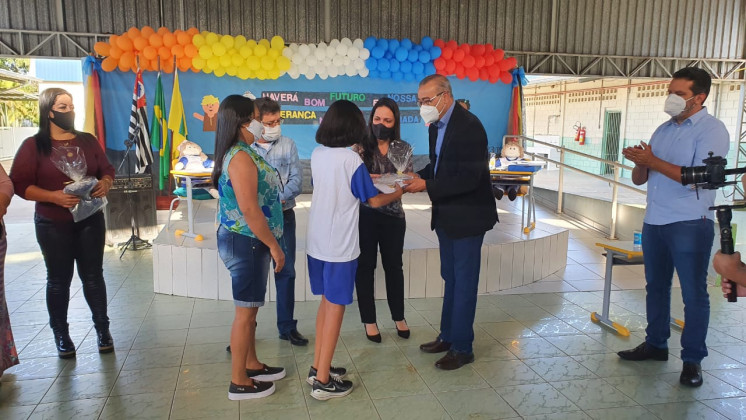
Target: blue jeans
686,247
247,259
285,279
459,266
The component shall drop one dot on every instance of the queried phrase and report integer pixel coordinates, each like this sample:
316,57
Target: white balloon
311,48
332,71
294,73
303,68
364,53
346,60
334,43
323,76
341,49
320,54
358,43
338,61
288,52
359,64
310,75
346,41
311,61
331,52
303,50
353,52
364,72
322,44
293,47
350,70
296,58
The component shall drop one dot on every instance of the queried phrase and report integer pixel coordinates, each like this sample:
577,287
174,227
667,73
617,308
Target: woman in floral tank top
250,222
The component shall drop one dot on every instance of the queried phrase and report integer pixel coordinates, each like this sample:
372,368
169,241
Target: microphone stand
134,242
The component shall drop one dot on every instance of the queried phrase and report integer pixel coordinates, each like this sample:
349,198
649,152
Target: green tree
18,113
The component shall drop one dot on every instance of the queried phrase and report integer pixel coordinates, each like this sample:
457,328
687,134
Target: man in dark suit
457,179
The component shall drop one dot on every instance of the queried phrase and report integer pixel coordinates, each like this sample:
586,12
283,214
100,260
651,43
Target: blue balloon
405,67
417,48
388,55
424,57
397,76
417,68
406,43
374,73
426,42
413,56
383,44
384,65
369,42
394,65
385,75
435,52
429,68
371,63
409,77
402,54
394,45
377,52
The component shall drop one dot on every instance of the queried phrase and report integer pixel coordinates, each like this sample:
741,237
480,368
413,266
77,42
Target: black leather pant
63,244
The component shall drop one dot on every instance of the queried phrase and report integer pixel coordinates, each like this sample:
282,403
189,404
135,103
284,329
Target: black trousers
64,244
378,229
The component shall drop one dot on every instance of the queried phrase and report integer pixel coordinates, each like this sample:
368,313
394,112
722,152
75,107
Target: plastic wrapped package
71,161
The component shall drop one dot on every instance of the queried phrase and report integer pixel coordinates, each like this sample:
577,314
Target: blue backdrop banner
303,104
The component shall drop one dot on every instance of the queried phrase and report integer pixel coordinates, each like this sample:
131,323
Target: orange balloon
102,48
168,66
127,59
124,43
115,52
133,33
164,52
140,43
156,40
123,67
163,31
146,31
184,38
192,31
177,51
194,70
169,40
113,40
184,63
109,64
150,52
191,51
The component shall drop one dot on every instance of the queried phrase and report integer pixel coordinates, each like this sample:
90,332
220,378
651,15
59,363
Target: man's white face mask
675,105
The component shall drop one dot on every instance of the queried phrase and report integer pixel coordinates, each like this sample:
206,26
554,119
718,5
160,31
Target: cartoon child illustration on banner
209,120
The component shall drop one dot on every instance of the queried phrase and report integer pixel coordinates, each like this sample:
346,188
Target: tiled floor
538,355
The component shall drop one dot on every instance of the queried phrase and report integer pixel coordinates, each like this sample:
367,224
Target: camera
711,176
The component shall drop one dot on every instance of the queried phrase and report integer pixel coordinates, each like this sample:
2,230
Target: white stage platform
185,267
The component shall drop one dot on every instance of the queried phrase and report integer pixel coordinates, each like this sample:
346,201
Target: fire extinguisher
581,136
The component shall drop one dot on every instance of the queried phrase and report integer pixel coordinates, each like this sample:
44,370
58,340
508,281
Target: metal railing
562,165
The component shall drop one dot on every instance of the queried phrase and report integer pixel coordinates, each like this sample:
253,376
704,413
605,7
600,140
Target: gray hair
441,81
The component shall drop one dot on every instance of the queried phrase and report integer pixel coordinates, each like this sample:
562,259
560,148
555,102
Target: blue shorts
334,280
248,261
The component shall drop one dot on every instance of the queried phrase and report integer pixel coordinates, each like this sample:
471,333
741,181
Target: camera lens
694,175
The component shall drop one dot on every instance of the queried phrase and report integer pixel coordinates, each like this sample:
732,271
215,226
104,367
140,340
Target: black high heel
374,338
402,333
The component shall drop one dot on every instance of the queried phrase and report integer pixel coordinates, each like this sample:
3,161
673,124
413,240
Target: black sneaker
334,372
335,388
248,392
267,373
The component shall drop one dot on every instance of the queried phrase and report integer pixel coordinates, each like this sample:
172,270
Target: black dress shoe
691,375
498,192
454,360
512,194
376,338
105,342
437,346
402,333
65,346
644,352
295,338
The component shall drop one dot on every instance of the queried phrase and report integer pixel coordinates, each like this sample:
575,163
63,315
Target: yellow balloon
251,43
253,63
260,50
220,72
213,63
264,42
237,60
207,69
231,71
246,51
211,38
199,63
243,72
274,74
198,40
218,49
267,63
274,52
205,52
283,63
261,74
225,61
227,40
277,42
239,41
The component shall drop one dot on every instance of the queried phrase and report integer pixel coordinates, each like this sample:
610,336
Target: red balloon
459,55
494,79
477,49
489,60
488,48
440,63
499,54
506,77
447,53
512,61
473,74
494,70
460,75
439,43
468,61
479,62
452,44
442,72
460,70
504,65
450,67
484,74
466,48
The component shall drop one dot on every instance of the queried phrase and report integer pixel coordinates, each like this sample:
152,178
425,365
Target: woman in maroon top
64,242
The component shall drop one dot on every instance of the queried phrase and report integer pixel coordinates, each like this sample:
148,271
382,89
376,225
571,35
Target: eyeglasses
428,101
274,123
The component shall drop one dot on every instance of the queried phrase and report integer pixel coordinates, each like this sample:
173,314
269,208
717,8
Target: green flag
159,135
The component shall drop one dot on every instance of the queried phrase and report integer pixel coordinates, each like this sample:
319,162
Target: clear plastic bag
71,161
400,154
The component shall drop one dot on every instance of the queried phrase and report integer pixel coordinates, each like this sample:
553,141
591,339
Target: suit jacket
461,191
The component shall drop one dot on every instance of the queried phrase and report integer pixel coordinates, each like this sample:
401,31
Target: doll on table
512,151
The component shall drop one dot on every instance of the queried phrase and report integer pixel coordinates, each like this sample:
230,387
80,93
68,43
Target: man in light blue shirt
678,229
281,152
